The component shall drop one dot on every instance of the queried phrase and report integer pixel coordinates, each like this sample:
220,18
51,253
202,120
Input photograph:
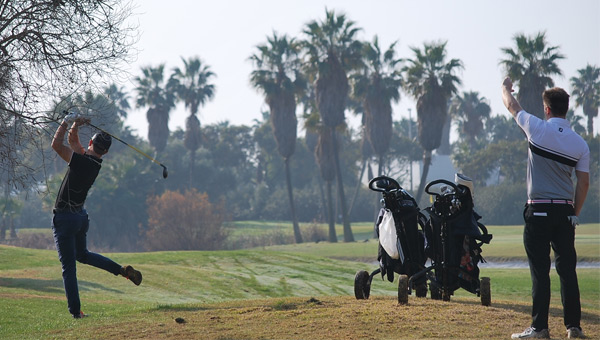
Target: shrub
35,240
501,204
184,222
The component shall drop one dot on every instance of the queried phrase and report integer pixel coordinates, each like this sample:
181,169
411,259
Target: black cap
102,142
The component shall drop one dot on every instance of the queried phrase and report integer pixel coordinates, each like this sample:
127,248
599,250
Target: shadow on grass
50,286
526,309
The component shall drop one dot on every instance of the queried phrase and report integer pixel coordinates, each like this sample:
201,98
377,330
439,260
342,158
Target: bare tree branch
50,50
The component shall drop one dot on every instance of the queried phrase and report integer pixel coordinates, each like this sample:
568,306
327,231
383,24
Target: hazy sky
225,33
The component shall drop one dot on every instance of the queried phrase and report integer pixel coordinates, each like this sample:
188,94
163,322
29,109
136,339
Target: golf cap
102,142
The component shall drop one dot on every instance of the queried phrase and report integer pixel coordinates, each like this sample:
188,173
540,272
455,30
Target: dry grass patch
333,318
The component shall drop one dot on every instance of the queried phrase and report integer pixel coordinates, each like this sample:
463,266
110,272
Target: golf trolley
454,239
401,243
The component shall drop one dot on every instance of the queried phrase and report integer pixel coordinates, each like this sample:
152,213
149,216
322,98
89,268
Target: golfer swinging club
70,223
553,206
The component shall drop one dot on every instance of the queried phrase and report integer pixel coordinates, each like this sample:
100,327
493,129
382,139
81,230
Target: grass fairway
258,294
506,245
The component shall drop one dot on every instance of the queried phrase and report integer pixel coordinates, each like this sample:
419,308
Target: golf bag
454,241
401,249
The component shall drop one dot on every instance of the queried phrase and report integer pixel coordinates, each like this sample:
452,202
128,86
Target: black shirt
81,174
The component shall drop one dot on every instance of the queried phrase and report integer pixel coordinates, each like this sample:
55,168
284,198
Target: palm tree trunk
13,232
330,216
348,237
426,164
358,183
324,216
590,125
444,148
3,229
288,180
192,161
377,205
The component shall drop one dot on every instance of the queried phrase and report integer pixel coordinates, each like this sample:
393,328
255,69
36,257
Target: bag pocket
536,214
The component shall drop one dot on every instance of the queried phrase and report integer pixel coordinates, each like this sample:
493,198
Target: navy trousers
70,231
547,225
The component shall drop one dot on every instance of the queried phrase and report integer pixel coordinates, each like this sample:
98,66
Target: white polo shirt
554,151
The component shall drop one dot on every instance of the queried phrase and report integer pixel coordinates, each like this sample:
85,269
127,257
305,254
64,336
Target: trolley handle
384,184
436,185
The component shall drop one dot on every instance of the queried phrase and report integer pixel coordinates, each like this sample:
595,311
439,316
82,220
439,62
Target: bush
591,208
184,222
312,233
36,240
501,204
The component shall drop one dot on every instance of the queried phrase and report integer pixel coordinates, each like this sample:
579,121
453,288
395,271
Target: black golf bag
454,241
400,229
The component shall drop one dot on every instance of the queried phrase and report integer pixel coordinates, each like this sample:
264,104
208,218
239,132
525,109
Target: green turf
506,245
33,303
34,306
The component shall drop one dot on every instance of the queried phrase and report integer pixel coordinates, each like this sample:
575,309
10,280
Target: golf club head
165,172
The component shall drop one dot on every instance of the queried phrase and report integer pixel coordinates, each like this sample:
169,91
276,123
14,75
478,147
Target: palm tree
107,109
575,122
333,51
470,111
531,65
586,89
191,85
377,86
432,82
159,98
119,99
277,75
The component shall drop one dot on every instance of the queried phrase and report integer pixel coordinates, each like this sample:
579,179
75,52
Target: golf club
165,172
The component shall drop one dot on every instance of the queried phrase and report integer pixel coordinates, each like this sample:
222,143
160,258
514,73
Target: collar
92,157
560,122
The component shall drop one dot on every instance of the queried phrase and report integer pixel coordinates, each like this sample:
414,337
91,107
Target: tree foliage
333,50
531,64
158,95
470,112
586,89
187,221
431,80
49,50
277,74
52,48
377,86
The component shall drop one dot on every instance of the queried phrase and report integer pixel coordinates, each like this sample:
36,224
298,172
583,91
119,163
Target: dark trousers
70,230
547,225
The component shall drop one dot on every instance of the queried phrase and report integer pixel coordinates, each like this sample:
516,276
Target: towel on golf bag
413,250
388,238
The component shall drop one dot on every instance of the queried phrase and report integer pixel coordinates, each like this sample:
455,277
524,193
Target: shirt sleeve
529,123
583,164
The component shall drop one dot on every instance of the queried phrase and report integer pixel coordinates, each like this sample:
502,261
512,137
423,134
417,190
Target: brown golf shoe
131,274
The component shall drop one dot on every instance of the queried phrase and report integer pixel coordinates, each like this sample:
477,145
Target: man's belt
66,210
549,201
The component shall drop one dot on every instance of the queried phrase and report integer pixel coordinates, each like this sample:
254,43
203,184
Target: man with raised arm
70,223
553,206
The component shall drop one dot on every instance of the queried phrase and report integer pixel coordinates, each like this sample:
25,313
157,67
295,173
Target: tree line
319,77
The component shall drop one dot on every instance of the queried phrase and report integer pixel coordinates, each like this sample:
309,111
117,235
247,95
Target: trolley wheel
403,289
362,286
446,295
436,293
421,290
485,291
